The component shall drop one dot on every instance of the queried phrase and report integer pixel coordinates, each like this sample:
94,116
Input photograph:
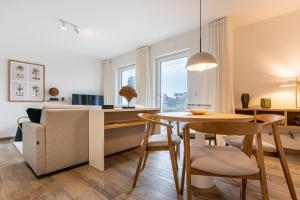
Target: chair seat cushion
237,141
222,160
161,140
208,136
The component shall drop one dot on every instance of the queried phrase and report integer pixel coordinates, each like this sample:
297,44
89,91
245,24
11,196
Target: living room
100,80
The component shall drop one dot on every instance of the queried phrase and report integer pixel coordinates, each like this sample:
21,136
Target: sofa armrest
34,146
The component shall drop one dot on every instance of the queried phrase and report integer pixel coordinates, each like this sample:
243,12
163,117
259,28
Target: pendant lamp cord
200,27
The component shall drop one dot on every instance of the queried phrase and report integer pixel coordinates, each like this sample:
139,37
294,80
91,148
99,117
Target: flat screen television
85,99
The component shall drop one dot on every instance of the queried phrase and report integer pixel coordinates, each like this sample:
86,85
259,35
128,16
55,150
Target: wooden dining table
203,181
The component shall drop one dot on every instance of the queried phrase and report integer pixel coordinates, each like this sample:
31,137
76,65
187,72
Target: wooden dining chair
208,137
269,149
224,161
157,142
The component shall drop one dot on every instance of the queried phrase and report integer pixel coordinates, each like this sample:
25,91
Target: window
172,83
126,78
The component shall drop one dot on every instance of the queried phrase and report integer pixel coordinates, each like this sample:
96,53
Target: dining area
204,148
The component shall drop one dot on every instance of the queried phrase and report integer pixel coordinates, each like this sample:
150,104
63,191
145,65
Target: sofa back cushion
57,107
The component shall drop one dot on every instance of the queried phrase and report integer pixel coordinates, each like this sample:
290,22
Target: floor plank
155,182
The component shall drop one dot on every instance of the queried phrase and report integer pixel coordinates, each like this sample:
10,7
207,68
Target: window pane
128,79
174,85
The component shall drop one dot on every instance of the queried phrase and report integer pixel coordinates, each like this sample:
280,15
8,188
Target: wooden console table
104,123
290,131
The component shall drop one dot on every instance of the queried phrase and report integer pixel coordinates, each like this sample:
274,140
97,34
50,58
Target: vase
245,98
265,103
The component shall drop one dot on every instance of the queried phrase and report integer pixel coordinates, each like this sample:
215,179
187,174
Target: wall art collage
26,81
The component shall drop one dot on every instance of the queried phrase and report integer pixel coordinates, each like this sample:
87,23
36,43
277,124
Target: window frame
120,71
160,60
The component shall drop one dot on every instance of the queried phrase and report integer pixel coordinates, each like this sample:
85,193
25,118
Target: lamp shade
201,61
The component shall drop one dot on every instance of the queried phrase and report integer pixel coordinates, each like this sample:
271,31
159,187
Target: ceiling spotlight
64,25
76,29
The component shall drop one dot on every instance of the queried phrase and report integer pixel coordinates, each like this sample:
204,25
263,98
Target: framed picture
298,92
26,81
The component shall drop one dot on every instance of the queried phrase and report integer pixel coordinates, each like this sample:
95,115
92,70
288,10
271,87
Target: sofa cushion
59,107
34,114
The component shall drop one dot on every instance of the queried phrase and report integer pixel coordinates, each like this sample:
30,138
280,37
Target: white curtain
143,77
220,45
108,82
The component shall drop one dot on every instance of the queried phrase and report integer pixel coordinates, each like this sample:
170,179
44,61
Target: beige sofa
61,139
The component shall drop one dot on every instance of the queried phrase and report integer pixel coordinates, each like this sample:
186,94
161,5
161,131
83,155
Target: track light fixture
76,29
65,23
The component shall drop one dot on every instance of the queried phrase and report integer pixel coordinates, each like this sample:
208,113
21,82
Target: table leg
201,181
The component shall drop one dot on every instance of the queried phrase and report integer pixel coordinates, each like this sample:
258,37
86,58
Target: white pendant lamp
201,61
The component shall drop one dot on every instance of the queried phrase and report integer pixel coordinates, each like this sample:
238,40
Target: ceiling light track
65,23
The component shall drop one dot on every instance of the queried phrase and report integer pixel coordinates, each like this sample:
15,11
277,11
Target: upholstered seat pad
208,136
192,135
237,141
222,160
161,140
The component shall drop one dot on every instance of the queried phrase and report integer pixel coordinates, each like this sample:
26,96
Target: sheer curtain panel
143,76
108,84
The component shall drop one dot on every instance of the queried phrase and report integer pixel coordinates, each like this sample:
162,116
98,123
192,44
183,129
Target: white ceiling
112,27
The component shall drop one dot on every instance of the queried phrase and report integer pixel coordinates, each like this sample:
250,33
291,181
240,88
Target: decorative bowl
199,109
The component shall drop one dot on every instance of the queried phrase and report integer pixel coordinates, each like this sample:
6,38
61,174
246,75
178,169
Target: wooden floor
84,182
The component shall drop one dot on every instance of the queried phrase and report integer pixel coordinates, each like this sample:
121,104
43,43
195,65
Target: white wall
184,42
69,73
266,54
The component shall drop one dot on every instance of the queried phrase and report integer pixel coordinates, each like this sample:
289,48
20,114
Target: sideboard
289,130
107,125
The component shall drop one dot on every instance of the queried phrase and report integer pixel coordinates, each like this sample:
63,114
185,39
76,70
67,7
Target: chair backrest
147,116
153,119
247,129
225,128
269,119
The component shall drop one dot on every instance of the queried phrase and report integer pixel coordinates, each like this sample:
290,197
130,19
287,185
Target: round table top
210,116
